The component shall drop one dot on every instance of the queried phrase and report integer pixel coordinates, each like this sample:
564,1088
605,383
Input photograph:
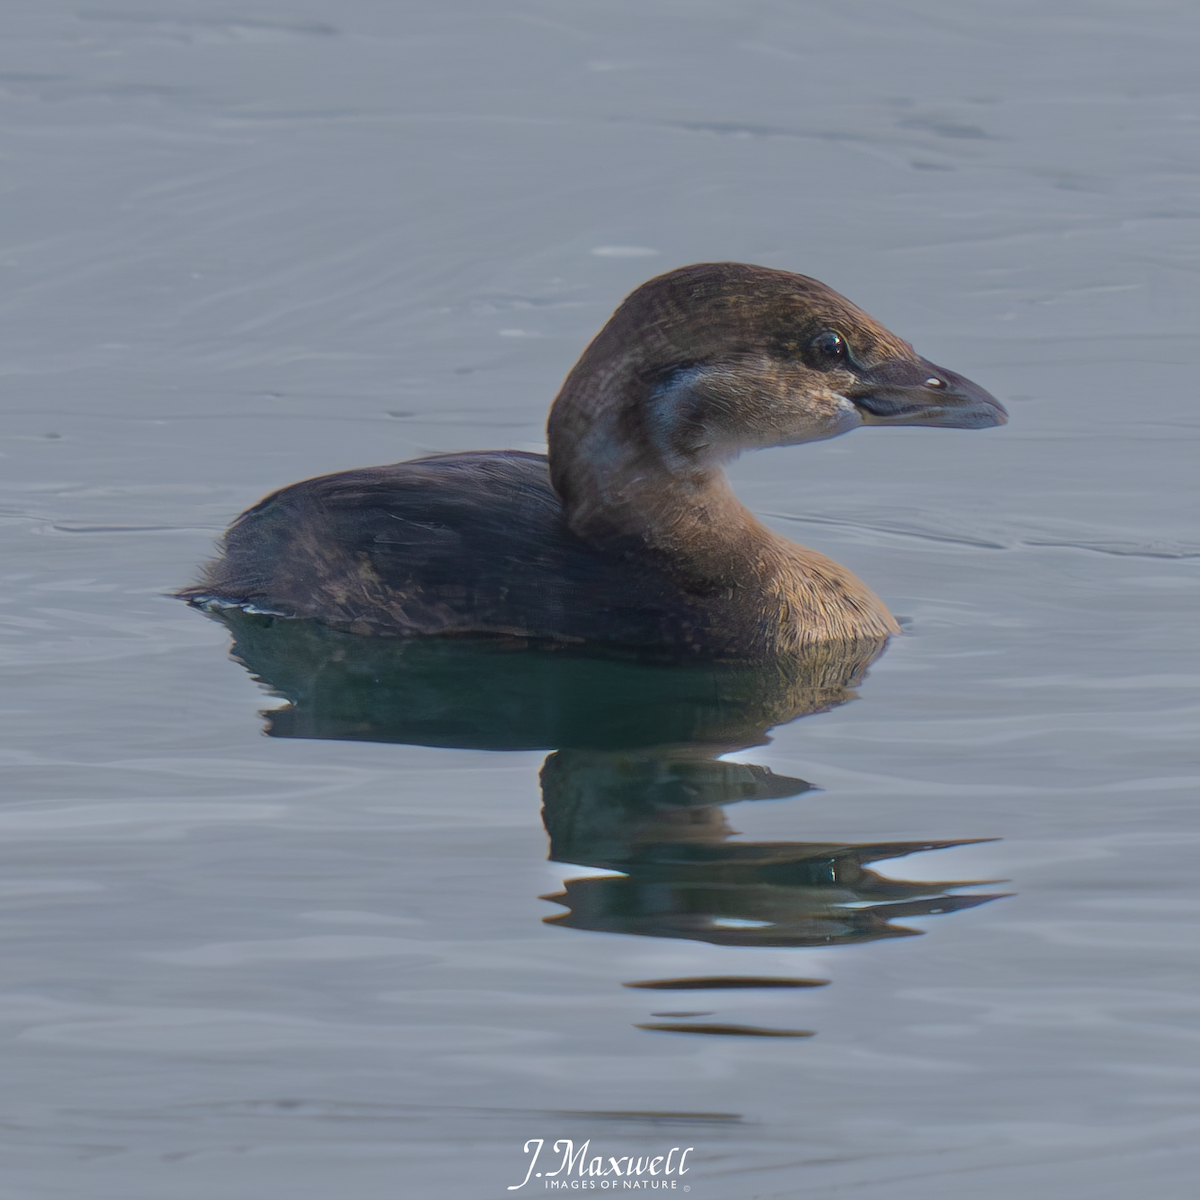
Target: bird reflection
491,694
658,817
636,784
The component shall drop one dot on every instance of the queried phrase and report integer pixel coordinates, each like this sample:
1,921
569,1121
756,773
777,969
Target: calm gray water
242,245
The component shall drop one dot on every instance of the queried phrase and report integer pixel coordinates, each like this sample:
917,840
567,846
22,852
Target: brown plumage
627,535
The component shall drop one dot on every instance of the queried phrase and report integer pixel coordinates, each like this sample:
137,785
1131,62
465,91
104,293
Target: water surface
245,247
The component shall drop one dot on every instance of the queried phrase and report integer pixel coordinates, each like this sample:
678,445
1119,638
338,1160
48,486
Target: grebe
626,535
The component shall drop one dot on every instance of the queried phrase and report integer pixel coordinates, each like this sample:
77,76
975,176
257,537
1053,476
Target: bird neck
630,484
627,475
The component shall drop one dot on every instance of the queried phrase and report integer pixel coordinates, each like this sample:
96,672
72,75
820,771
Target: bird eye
829,346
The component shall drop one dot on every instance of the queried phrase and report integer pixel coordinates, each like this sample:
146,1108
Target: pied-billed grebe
627,535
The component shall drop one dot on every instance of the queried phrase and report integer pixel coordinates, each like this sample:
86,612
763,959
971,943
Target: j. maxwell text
609,1167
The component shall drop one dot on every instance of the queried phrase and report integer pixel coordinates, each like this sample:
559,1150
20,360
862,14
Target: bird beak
907,392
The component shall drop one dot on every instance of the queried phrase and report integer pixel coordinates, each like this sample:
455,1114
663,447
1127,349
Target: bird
626,536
